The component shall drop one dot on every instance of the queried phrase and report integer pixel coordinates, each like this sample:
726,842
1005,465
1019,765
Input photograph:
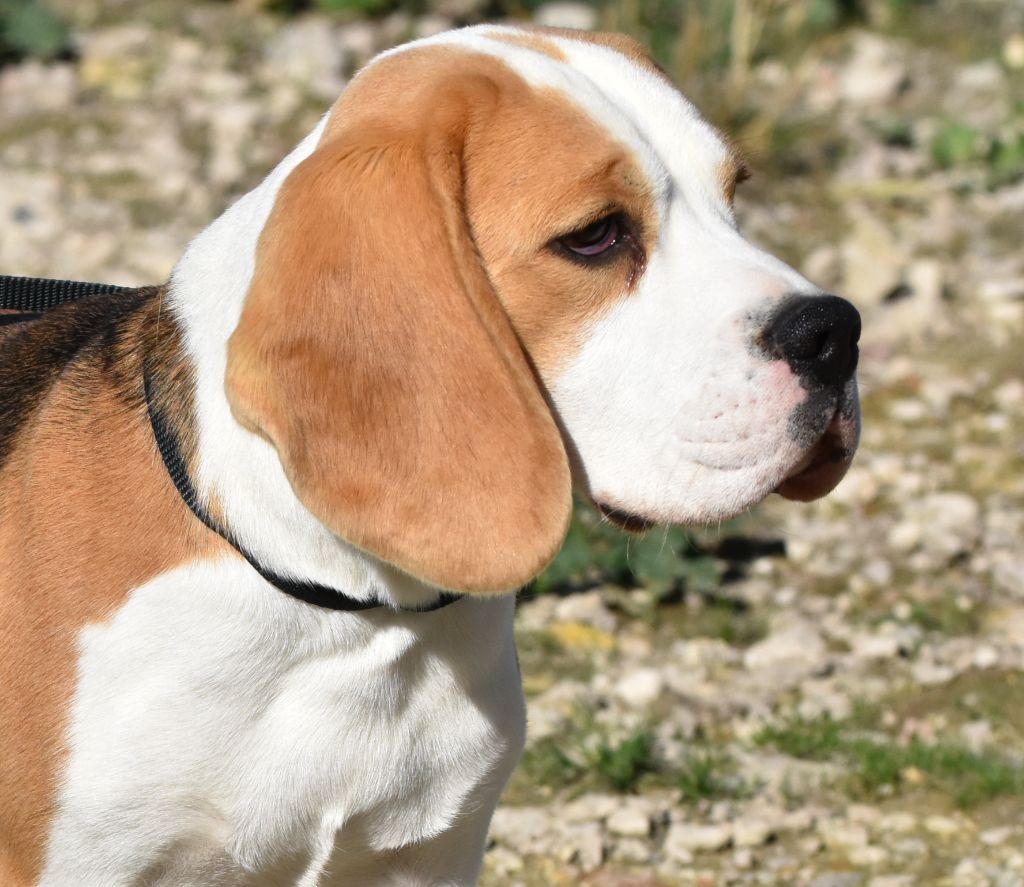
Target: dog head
511,260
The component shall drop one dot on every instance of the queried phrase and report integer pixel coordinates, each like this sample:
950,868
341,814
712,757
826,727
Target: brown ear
373,353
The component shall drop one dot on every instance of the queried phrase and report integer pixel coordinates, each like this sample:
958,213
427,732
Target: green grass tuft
879,765
708,774
620,766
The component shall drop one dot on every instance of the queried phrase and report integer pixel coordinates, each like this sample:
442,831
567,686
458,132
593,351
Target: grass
620,765
718,617
879,766
584,758
584,761
946,616
707,775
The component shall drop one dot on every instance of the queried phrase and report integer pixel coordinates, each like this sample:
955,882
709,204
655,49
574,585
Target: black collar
310,592
31,296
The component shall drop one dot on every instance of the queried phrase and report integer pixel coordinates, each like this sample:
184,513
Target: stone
582,844
994,837
502,862
690,837
868,856
892,881
640,688
587,607
629,821
752,831
897,822
948,524
309,52
796,643
632,851
589,807
943,826
567,14
838,833
887,643
926,280
875,72
520,827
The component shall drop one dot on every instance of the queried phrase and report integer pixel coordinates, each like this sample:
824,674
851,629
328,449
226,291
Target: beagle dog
232,507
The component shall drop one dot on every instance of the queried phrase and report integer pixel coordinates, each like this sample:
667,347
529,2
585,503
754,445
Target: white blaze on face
675,413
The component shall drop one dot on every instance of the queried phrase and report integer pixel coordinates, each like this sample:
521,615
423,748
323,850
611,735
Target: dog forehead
608,77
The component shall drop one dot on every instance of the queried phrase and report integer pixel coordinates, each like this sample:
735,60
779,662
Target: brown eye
596,238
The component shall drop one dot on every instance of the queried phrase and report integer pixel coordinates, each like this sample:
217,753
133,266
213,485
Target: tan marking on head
624,45
732,171
88,514
534,41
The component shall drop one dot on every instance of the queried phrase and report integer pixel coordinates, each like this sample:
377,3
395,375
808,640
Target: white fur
222,728
223,733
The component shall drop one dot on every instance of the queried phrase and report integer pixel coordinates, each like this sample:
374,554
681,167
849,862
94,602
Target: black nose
817,336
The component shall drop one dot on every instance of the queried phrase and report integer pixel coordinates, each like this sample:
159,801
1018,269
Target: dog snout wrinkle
817,336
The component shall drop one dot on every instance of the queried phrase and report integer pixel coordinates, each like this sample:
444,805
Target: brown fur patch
534,41
632,49
731,173
87,513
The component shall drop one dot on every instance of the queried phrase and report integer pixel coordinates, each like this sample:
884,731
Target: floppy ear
373,353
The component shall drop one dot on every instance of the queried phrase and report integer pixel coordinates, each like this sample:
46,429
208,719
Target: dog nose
817,336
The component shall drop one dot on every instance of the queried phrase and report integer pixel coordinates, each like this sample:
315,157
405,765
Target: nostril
817,336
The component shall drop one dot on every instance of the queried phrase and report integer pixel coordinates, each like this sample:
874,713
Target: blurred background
828,695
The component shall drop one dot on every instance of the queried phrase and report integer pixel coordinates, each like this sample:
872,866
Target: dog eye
596,238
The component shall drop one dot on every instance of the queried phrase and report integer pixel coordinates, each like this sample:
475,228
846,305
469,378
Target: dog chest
215,718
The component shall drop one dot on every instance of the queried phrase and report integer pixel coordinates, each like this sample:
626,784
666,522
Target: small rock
993,837
689,837
640,688
743,859
629,821
943,826
898,822
520,827
949,524
885,644
892,881
502,862
587,607
796,643
580,636
875,72
926,279
632,851
589,807
868,856
566,14
749,831
583,845
837,833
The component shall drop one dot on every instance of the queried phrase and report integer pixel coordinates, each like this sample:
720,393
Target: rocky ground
838,699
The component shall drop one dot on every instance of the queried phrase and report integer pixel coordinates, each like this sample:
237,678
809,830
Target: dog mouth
817,472
626,520
826,462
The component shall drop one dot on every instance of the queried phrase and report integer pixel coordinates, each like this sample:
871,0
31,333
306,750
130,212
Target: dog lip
823,465
634,523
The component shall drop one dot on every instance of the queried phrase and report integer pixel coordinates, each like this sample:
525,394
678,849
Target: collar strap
34,295
309,592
